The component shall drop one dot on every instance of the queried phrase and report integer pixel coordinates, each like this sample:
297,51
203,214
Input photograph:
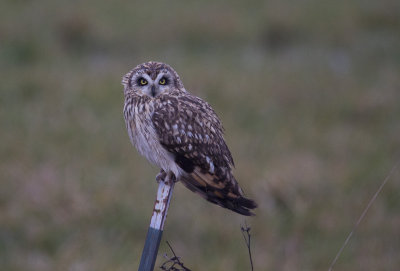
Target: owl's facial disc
152,87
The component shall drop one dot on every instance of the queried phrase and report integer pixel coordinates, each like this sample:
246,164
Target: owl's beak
153,91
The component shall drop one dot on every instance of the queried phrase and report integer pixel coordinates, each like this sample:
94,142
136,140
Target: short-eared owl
181,134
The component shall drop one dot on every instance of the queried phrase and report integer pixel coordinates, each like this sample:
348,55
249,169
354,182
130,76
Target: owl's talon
170,178
161,176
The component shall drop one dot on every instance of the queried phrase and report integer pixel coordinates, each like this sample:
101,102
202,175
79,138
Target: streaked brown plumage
181,134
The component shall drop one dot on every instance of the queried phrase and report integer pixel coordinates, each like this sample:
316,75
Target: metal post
154,233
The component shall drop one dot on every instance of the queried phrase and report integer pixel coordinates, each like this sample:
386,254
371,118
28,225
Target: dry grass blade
372,200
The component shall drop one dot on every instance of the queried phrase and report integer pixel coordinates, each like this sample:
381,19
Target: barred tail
219,195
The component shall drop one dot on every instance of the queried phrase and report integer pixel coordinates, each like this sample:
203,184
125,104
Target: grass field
308,92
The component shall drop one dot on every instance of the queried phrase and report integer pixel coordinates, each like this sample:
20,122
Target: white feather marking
175,129
211,164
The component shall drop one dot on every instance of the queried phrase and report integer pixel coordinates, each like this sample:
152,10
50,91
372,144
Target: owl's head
151,79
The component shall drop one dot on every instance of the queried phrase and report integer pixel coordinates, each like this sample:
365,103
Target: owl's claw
161,176
173,178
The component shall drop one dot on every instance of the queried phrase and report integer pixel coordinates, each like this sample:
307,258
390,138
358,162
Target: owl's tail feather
220,196
240,205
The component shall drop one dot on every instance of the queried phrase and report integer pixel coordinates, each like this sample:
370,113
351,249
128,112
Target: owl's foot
162,176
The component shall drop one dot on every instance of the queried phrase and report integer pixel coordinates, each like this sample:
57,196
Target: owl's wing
190,130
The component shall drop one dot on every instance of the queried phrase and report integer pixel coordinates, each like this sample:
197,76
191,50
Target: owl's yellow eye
142,82
162,81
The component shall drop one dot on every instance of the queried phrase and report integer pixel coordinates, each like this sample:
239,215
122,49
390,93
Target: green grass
308,93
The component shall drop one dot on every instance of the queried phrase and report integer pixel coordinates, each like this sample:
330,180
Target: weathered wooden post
154,233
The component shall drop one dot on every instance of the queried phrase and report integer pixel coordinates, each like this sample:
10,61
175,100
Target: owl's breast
138,119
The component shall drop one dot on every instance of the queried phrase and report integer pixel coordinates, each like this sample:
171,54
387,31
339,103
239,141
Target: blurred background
309,94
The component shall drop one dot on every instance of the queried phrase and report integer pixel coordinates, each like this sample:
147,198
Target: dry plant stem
363,214
174,263
247,238
154,233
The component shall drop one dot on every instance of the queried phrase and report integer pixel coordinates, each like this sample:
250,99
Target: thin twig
363,215
173,263
247,238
